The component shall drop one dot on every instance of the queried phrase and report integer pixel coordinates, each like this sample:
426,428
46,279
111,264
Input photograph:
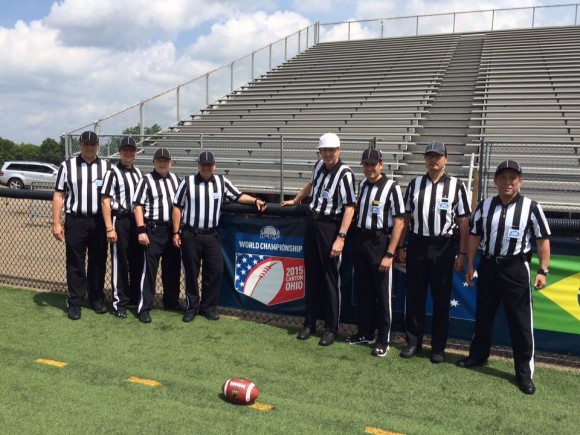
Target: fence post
253,57
481,169
178,100
141,123
207,89
281,168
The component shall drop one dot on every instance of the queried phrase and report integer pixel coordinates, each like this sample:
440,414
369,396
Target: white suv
21,174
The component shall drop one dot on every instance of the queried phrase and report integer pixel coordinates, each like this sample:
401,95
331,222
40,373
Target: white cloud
90,58
243,34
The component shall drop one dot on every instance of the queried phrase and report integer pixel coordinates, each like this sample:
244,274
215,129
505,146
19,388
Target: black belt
155,223
199,230
120,214
506,259
432,239
83,216
325,218
372,233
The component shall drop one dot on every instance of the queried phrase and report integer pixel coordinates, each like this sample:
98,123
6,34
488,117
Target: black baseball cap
206,157
508,164
436,147
372,156
162,153
128,142
89,136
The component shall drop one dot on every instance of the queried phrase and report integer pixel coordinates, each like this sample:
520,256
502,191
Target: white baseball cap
329,140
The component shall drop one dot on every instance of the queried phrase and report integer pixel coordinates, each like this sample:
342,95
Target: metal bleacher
527,106
516,89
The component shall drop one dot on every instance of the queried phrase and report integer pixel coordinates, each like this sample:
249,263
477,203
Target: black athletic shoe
74,312
210,315
360,339
98,307
121,313
304,333
189,315
145,317
380,351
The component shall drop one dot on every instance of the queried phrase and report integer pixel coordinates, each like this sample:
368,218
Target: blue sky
68,63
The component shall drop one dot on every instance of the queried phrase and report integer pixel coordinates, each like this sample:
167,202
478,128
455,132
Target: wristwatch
342,235
544,272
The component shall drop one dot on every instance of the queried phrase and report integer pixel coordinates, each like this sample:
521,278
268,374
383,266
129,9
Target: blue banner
264,271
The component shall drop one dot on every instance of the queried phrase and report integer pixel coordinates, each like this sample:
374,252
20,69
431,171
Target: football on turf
240,391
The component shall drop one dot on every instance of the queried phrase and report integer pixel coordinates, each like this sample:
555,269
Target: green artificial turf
340,389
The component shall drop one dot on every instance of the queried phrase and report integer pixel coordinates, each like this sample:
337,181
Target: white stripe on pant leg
389,296
115,275
115,269
532,363
142,282
338,263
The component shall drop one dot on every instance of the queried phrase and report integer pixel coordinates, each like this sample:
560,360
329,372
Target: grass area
340,389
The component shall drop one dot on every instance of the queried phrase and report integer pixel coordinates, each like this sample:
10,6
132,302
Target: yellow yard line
377,431
148,382
262,406
51,362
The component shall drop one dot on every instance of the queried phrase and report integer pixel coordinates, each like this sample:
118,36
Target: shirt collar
334,169
80,160
157,176
125,168
198,179
445,176
380,182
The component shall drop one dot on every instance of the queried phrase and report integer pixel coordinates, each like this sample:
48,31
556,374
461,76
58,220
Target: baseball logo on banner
269,267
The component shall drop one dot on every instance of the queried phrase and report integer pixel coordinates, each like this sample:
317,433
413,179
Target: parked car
21,174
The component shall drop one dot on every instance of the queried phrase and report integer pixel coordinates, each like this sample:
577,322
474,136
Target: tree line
51,151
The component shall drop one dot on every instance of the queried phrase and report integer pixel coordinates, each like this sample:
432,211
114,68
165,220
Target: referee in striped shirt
196,215
379,222
152,205
126,254
501,228
435,204
78,190
331,189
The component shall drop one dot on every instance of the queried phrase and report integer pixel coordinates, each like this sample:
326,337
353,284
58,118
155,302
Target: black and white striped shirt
332,189
434,207
81,183
506,229
119,184
378,202
155,194
201,200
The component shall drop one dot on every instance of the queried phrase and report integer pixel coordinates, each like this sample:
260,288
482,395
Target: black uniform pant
85,234
126,263
373,288
160,248
429,263
195,249
510,284
322,274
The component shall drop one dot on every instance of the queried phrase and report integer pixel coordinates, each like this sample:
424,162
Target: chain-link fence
33,258
276,165
550,171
